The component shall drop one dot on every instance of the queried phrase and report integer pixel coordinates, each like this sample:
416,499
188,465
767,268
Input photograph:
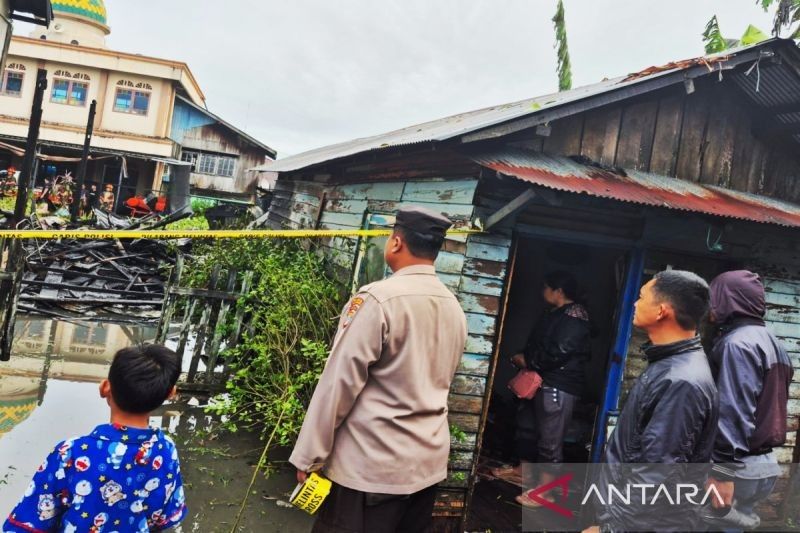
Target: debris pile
79,278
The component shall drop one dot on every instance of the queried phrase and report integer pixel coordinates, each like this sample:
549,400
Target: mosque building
151,113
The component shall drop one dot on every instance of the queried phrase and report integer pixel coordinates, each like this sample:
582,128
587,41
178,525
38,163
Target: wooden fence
219,325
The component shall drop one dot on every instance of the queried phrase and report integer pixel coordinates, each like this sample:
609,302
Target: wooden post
202,327
212,354
87,143
30,147
247,280
170,301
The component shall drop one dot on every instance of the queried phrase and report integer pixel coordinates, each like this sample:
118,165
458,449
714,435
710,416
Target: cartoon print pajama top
115,480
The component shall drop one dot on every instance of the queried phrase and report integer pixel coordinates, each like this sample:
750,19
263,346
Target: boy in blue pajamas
122,477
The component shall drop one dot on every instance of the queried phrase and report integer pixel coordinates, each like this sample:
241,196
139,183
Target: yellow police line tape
203,234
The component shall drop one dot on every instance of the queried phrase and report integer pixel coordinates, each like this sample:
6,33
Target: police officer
377,423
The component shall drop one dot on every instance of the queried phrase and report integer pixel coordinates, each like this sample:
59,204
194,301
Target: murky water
48,392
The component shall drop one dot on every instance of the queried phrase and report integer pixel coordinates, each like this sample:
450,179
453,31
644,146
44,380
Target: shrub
292,310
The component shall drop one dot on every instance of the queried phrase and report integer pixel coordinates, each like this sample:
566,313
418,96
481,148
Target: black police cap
423,221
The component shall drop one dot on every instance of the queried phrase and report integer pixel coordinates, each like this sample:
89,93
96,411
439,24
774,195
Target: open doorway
600,273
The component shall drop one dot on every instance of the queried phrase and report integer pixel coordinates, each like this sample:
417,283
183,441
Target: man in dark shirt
670,415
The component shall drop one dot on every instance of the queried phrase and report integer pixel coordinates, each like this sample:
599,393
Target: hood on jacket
737,294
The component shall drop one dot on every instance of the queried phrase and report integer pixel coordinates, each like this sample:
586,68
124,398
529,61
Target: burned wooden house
692,165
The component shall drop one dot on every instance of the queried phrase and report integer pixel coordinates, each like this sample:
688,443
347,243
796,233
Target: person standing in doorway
377,423
670,415
753,374
558,349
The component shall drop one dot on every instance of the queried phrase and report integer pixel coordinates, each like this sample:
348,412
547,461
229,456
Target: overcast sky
298,74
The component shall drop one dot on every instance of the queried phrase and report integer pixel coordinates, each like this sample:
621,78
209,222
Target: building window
208,164
12,79
133,98
225,166
66,90
215,165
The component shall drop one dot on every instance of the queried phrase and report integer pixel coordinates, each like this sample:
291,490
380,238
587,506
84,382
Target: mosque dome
77,22
93,10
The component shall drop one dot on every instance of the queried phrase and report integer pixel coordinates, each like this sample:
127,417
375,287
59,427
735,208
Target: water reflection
48,392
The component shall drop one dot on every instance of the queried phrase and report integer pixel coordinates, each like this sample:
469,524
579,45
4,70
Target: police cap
423,221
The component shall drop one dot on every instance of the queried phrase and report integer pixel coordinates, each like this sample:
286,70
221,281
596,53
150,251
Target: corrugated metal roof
565,174
465,123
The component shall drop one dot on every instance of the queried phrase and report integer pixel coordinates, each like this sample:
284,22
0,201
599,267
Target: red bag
525,384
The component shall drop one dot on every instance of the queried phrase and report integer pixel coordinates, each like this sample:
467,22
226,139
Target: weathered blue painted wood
782,286
476,364
783,329
484,268
456,212
451,192
488,252
468,385
346,206
478,344
479,303
786,314
331,225
480,324
780,298
449,263
492,238
382,190
451,281
476,285
354,220
301,197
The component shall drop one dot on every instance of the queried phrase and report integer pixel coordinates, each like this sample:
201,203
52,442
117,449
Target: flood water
49,392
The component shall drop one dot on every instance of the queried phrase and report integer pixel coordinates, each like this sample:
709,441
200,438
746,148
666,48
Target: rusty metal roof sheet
548,107
565,174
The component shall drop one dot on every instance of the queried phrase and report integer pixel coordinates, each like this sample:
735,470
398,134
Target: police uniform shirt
378,419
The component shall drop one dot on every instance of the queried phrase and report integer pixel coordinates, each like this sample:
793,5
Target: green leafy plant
291,315
564,64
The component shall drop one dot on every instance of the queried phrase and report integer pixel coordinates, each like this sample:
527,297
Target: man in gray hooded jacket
753,373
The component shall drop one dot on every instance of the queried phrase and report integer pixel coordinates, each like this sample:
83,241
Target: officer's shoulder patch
355,304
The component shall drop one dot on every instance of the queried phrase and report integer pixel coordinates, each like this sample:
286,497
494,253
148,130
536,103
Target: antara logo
683,494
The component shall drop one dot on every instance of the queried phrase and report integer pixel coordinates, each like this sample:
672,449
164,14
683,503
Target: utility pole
87,143
26,174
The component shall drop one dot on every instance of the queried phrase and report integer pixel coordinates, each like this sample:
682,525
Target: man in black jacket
753,374
671,412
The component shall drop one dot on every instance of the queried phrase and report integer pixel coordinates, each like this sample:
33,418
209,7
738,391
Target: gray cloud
299,74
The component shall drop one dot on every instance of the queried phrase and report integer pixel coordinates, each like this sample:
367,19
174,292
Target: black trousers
352,511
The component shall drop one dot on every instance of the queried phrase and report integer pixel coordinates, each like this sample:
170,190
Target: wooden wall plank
719,140
476,285
474,364
600,134
486,251
464,403
479,345
386,190
667,136
636,135
691,148
449,263
450,191
484,268
479,303
480,324
565,136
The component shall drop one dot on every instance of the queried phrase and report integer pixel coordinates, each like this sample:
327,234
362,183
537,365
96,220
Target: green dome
94,10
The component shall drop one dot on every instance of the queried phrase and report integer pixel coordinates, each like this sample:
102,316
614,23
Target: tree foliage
564,65
787,13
